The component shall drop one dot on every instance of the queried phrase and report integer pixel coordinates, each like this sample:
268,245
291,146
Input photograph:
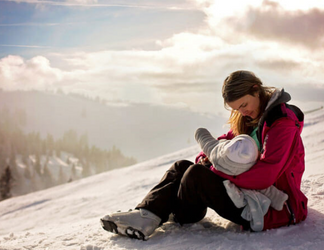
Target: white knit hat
242,149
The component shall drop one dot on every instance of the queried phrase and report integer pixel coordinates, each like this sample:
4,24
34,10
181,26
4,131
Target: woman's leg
153,210
186,190
162,199
200,188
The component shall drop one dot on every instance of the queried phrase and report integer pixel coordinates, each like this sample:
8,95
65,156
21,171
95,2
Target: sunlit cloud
35,73
280,65
188,68
272,22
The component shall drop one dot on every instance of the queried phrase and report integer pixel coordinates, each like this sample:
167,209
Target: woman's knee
195,170
181,166
193,174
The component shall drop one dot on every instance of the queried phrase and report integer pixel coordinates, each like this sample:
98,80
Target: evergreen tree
43,147
24,159
50,144
37,164
34,184
86,169
13,165
47,177
6,181
70,141
61,176
58,153
83,148
27,173
73,172
3,162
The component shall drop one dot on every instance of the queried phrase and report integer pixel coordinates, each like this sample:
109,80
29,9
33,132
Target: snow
67,216
55,165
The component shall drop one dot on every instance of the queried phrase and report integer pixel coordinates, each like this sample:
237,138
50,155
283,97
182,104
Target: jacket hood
279,96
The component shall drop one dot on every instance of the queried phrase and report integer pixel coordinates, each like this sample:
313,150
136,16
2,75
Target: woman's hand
205,161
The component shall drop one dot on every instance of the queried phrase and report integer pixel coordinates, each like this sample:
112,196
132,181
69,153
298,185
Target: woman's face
247,105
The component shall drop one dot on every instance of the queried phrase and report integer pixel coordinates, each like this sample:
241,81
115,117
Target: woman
188,189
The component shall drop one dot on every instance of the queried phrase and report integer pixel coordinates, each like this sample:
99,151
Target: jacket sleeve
278,150
228,136
200,156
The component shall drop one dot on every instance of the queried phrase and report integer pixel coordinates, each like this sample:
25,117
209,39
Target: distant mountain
142,131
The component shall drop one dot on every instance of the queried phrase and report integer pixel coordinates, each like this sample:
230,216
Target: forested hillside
36,163
142,131
49,138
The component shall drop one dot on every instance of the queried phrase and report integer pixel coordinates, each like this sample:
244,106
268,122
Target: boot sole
129,231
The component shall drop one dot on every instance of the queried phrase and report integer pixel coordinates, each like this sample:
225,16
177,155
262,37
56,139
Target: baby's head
242,149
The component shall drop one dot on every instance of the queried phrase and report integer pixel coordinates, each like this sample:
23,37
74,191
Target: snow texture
67,216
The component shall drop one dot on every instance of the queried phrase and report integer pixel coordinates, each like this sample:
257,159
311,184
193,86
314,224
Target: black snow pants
186,190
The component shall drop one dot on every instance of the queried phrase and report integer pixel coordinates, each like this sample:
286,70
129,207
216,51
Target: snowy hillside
59,170
67,216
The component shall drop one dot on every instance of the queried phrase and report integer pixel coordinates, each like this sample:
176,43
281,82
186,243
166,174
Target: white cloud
16,73
188,69
301,5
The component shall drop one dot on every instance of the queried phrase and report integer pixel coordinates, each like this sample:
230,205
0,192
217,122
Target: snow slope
67,216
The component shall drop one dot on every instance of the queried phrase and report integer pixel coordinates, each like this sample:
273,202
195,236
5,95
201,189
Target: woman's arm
278,152
228,136
232,157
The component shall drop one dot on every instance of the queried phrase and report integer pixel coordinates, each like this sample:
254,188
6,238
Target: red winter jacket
281,162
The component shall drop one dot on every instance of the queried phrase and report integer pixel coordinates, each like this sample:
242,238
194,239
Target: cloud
188,67
151,76
16,73
279,65
271,21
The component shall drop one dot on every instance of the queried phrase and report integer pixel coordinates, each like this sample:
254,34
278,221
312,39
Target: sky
171,52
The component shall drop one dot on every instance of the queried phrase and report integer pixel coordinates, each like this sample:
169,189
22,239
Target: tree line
35,155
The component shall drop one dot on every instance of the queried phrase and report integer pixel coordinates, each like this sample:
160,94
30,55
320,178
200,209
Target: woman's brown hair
237,85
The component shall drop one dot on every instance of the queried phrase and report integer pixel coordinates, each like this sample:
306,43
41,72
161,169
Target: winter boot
137,224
